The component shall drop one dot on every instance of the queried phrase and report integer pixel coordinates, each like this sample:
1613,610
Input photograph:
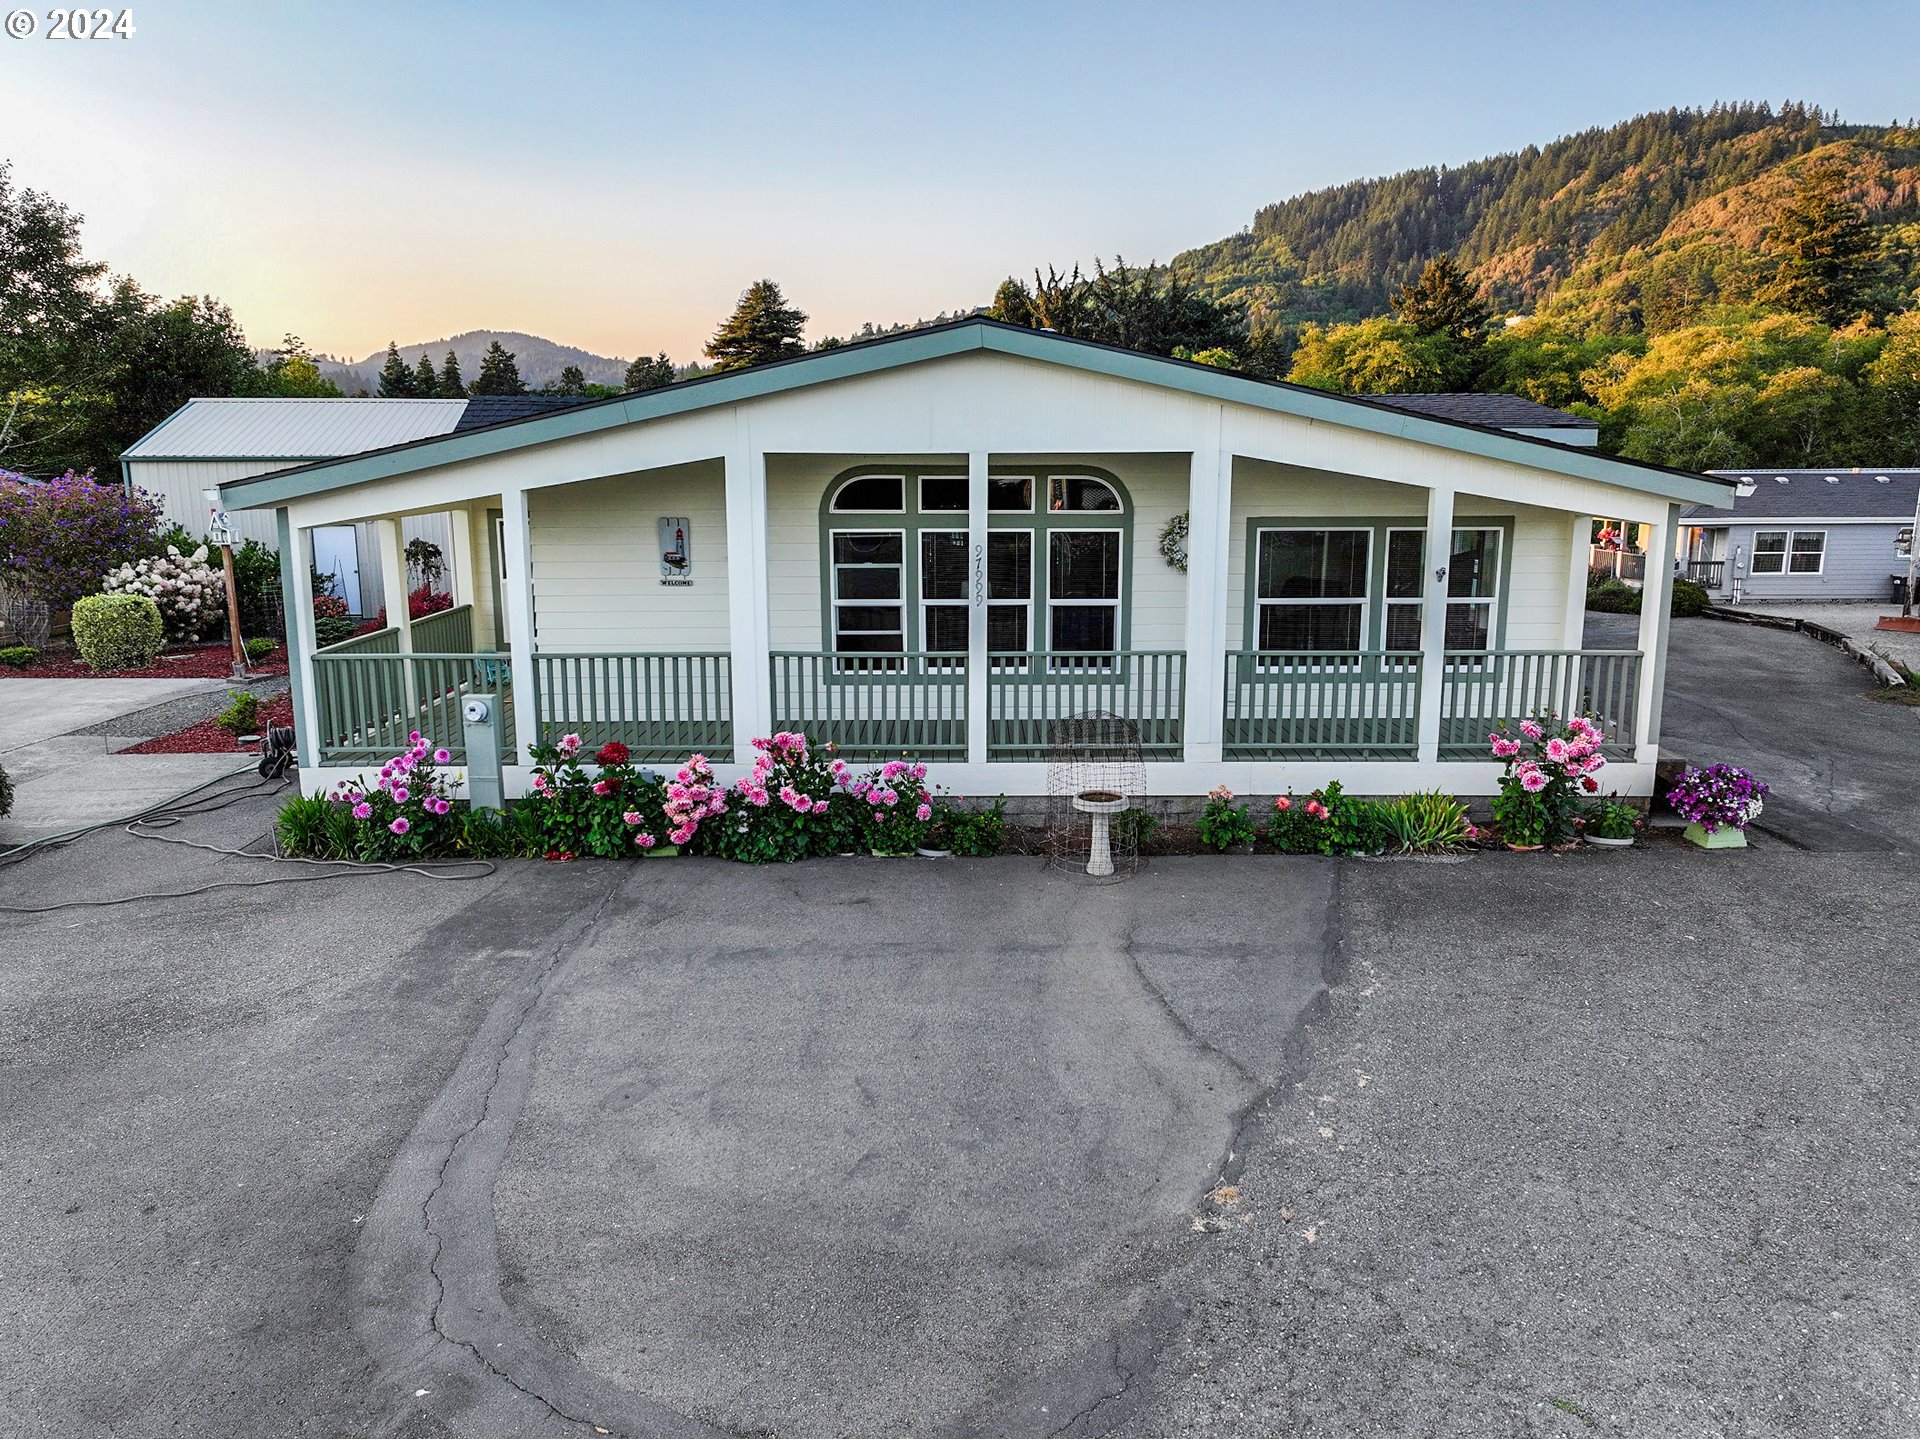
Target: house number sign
979,574
676,550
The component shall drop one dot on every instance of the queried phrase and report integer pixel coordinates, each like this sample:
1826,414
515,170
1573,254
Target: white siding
1536,575
177,484
596,563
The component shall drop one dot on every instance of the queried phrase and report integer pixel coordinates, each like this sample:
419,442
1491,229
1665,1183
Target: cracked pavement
1601,1142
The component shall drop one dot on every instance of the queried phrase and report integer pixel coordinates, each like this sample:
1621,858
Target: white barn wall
596,563
177,484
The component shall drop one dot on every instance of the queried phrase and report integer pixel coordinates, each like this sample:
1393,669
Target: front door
336,552
497,567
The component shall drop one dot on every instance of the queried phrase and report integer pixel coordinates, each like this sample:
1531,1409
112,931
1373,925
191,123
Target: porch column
1433,620
977,607
1573,629
516,593
747,591
393,577
466,582
1656,600
296,598
1209,512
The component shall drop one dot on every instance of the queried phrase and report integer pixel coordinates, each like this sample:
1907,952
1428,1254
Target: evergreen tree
451,387
498,374
763,327
425,380
396,380
1828,261
293,371
1443,301
572,381
650,374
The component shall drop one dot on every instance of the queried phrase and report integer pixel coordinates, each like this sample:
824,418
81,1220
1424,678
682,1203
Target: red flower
612,753
1589,784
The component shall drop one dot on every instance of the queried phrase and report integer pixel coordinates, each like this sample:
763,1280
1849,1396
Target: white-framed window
1807,555
943,494
1009,592
1073,493
1010,494
943,592
1083,589
1473,588
1789,552
869,593
1310,588
872,495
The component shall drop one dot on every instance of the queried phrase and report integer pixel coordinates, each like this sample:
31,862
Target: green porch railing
1028,693
874,706
662,706
369,704
374,642
1482,688
1338,705
448,633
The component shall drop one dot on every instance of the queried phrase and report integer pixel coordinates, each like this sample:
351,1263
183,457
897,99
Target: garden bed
211,661
207,738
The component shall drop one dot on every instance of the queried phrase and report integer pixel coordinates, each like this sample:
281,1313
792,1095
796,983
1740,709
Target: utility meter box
480,718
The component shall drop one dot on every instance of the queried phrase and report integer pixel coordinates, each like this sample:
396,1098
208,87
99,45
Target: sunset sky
611,176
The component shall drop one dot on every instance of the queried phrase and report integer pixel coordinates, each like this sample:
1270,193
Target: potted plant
1718,802
1610,824
1225,826
1547,767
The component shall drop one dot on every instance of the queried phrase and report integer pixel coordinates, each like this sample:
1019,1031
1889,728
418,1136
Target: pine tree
572,381
425,380
396,380
452,387
1012,302
1443,301
498,374
1828,260
763,327
650,373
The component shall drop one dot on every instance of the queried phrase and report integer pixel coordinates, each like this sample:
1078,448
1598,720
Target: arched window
1054,574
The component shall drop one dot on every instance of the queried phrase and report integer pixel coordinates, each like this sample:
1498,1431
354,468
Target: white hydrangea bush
191,594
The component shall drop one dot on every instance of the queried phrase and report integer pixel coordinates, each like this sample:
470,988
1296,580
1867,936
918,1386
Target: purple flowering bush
406,814
1549,766
61,538
1719,797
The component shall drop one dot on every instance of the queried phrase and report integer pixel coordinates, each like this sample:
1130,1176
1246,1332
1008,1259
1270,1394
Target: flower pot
1605,844
928,852
1725,838
661,852
1524,849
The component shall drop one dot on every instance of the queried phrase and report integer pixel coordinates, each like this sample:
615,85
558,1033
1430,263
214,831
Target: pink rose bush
406,813
1548,767
572,812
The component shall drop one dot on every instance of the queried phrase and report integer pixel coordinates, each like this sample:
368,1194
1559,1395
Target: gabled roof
499,409
1501,412
1883,494
960,337
279,428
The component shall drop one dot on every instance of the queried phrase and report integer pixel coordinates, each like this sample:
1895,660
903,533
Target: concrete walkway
61,779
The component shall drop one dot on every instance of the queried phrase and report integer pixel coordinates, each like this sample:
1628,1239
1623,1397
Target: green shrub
18,655
1224,825
490,835
1689,598
1611,820
1354,826
316,827
1133,829
242,717
972,832
117,632
6,792
1428,822
1613,597
1298,827
260,648
331,630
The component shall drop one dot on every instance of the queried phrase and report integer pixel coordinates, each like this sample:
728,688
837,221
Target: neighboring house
940,542
1513,413
1804,535
208,442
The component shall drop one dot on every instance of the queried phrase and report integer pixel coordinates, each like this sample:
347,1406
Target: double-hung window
1310,589
943,591
1473,588
1009,592
1789,552
1083,590
869,604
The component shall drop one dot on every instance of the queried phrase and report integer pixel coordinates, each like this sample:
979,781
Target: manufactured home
941,542
1804,535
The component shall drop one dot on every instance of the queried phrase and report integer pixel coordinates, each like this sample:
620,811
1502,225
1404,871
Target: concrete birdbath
1101,806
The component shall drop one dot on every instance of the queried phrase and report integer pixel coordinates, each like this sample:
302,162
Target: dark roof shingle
499,409
1498,412
1826,494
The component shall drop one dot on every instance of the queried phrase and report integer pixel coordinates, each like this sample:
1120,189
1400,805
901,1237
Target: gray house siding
1858,564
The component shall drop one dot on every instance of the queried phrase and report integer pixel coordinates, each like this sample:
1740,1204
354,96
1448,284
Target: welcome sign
676,550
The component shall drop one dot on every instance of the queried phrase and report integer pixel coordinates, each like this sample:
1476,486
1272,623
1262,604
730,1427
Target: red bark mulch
184,662
207,738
